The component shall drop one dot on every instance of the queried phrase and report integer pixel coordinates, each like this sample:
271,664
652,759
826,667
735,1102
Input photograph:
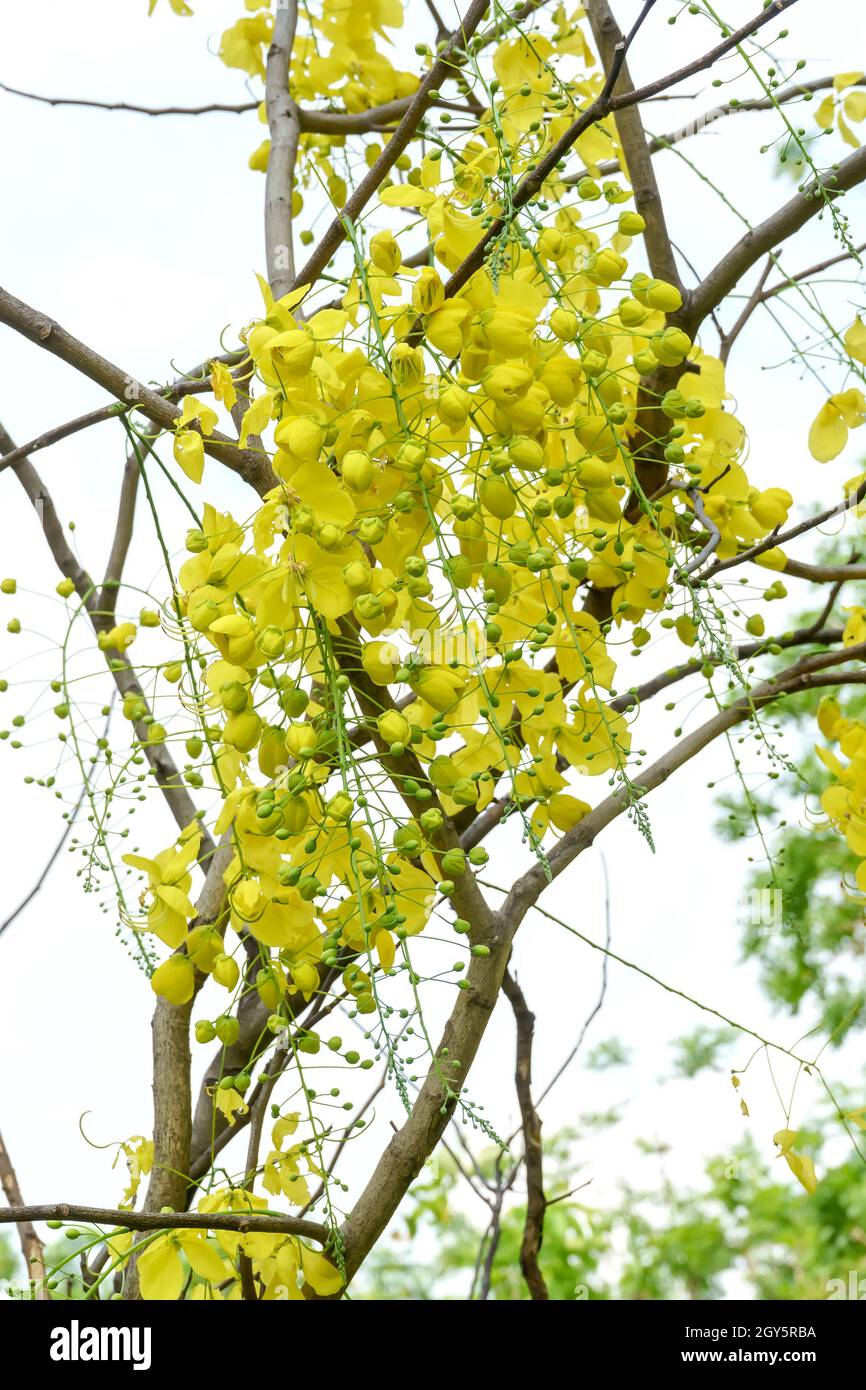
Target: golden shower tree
488,446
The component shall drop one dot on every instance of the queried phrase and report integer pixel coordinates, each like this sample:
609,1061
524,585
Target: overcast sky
143,237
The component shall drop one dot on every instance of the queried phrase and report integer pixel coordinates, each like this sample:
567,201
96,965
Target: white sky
142,237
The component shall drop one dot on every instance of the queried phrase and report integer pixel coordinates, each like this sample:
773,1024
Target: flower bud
631,224
428,292
357,576
357,470
464,792
658,294
394,727
196,541
242,731
385,252
302,437
340,807
272,642
225,971
563,322
234,696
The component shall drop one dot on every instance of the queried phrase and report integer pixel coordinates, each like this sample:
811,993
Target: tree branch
536,1203
127,106
108,594
404,1157
824,574
529,887
310,122
775,230
810,271
171,1221
53,436
695,126
189,385
755,298
285,129
779,538
639,166
254,468
744,652
599,1003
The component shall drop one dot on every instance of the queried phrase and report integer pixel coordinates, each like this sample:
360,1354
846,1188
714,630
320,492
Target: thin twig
55,853
53,436
599,1003
128,106
779,537
162,764
110,591
533,1155
713,533
755,298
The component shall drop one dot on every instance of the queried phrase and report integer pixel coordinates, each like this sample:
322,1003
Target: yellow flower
161,1267
407,364
829,432
189,453
567,811
445,327
179,7
241,45
596,740
439,686
117,638
428,292
855,628
174,980
230,1102
385,252
223,384
169,880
